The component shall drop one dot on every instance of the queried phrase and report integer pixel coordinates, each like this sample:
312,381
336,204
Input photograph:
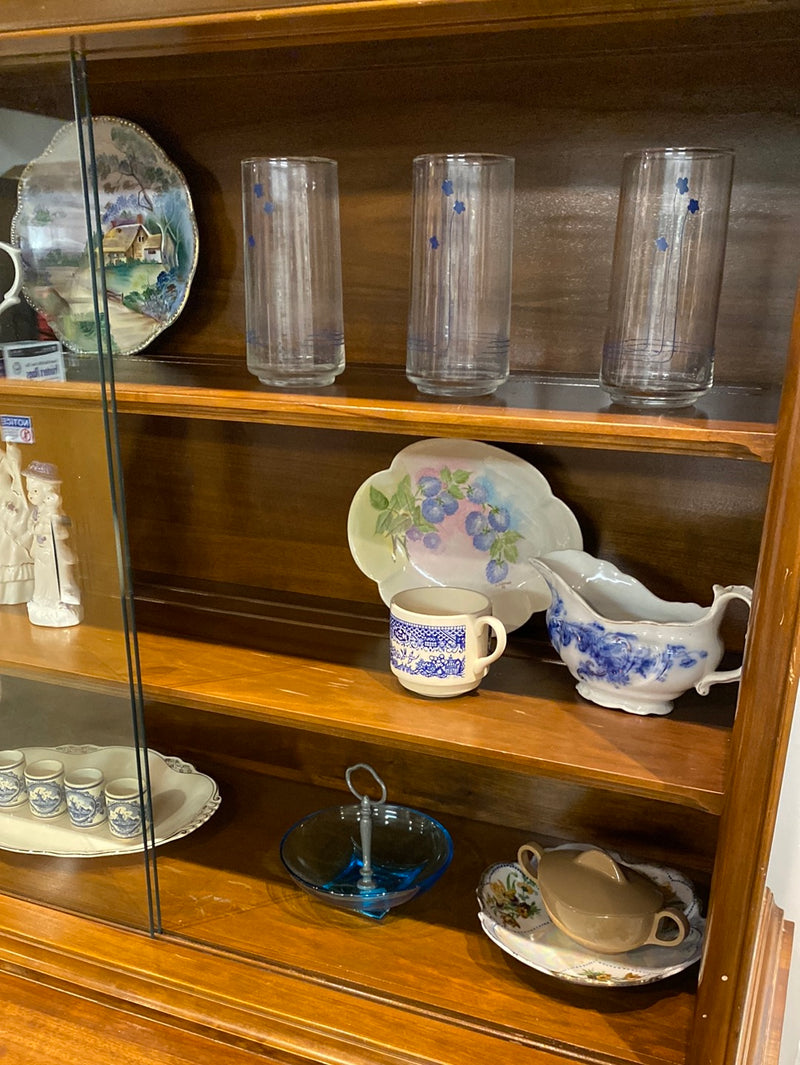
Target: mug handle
725,676
679,919
12,296
528,851
499,630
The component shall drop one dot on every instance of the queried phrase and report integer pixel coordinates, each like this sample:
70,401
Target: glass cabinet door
76,825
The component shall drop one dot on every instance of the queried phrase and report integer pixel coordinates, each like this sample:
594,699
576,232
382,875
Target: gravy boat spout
628,649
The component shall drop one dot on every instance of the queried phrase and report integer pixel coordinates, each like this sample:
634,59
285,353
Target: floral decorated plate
182,801
463,514
149,237
513,917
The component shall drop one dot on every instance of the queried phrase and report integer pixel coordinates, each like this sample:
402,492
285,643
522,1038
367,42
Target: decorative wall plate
182,800
149,237
513,916
464,514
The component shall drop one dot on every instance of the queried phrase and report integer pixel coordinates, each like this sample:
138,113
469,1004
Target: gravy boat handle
722,595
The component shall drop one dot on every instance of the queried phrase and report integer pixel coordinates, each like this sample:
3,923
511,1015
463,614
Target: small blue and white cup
86,802
44,780
126,807
12,779
439,640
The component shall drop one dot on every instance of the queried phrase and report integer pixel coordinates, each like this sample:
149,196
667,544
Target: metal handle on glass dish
366,881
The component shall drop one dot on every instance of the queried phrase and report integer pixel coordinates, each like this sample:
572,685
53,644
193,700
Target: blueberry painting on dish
464,514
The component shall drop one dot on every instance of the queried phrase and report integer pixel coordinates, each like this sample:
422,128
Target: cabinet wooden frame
760,732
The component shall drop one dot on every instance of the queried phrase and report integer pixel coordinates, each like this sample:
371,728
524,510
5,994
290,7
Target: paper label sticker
16,429
34,360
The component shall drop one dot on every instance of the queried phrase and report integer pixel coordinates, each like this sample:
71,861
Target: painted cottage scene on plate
148,237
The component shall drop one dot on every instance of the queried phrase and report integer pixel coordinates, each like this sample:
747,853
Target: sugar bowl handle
676,918
528,856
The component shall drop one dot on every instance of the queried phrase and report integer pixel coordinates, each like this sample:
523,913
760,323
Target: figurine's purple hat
45,471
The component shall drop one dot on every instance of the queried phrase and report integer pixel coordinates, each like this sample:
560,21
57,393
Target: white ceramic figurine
56,599
16,563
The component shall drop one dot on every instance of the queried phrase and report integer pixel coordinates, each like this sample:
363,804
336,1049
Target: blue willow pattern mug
439,640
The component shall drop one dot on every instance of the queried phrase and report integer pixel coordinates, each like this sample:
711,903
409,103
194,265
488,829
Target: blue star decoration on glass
434,242
662,244
459,207
447,187
251,241
693,207
682,185
269,207
258,189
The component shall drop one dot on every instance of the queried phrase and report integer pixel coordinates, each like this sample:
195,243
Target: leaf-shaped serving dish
463,514
148,234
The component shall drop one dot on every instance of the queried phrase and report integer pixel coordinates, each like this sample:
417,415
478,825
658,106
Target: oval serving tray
182,800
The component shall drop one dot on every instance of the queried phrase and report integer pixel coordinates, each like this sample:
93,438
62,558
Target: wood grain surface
224,886
224,510
528,409
760,738
42,1022
537,723
168,30
373,108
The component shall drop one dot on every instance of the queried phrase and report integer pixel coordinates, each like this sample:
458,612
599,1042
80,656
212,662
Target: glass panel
70,693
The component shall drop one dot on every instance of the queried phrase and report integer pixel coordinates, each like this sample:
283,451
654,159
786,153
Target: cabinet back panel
266,507
537,806
567,118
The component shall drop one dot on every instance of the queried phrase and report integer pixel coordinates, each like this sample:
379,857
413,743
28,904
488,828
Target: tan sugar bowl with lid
599,903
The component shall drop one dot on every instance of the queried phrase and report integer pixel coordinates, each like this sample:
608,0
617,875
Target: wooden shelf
730,422
199,26
525,717
427,968
431,956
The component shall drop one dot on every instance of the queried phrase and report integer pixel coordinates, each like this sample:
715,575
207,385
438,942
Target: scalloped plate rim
159,328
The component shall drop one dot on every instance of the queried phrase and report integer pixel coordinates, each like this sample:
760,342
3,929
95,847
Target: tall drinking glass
666,275
461,243
293,277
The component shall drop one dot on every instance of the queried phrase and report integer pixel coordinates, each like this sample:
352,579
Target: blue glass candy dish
367,858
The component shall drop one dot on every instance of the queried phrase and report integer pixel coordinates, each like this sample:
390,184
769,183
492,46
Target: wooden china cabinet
262,648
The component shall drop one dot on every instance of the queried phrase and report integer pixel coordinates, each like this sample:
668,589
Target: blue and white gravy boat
628,649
